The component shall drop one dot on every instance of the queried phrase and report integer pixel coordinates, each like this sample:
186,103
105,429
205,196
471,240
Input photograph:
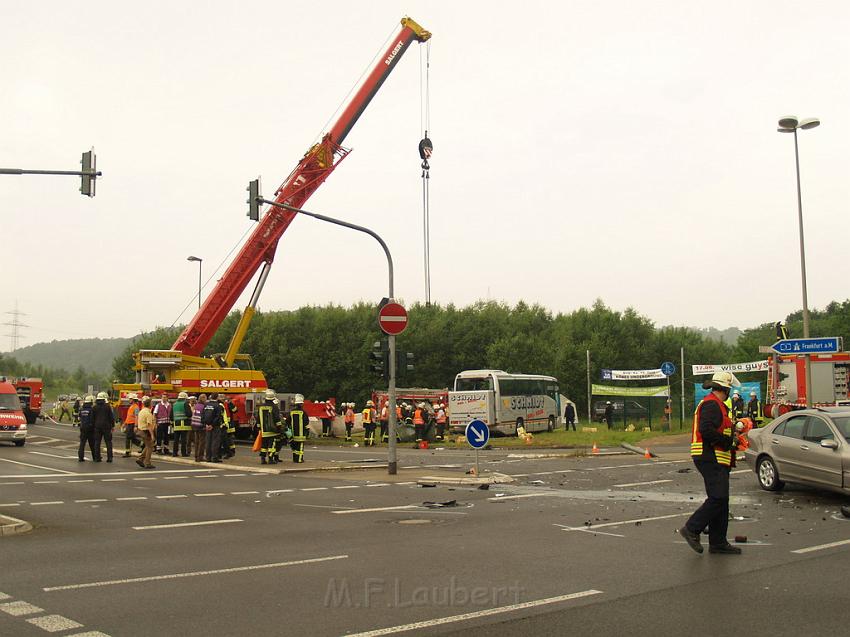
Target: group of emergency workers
421,416
277,431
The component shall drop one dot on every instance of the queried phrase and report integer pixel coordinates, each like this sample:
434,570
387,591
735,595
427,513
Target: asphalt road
583,546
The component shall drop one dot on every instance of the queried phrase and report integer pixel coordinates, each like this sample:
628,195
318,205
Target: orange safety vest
398,412
385,414
723,457
417,417
349,416
441,417
132,414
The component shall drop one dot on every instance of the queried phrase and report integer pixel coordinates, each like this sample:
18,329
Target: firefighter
212,420
86,429
298,424
269,417
130,420
64,409
228,438
348,418
369,424
182,412
737,405
754,412
104,421
76,409
419,423
713,451
441,421
384,419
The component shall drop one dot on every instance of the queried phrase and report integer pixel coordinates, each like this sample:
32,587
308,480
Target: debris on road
483,487
440,505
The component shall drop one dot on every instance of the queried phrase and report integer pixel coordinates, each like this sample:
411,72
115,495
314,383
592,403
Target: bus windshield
474,384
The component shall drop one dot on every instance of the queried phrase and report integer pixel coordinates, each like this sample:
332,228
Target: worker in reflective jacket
441,421
182,413
419,422
269,417
348,418
298,423
130,424
713,451
754,411
385,422
232,412
369,424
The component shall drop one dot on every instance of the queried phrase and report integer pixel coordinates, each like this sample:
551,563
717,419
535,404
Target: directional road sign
477,434
668,369
392,319
824,345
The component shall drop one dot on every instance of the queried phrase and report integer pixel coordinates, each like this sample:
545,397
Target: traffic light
89,168
403,363
379,359
254,198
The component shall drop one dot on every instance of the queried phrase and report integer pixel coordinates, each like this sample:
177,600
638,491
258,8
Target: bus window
474,384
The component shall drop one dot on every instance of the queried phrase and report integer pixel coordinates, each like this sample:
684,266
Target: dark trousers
441,430
181,439
714,512
228,447
131,438
570,423
87,436
162,437
103,434
298,450
327,427
348,427
369,434
199,437
385,431
214,443
420,431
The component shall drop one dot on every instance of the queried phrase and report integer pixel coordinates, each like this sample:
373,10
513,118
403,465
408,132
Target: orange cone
595,449
647,455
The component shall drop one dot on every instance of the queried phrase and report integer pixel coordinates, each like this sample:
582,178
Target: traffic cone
647,455
595,449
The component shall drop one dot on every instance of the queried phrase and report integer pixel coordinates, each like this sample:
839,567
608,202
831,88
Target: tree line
56,381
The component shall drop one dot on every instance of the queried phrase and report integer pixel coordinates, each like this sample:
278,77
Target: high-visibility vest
367,416
349,416
299,422
385,414
723,457
398,412
132,414
417,417
182,417
441,417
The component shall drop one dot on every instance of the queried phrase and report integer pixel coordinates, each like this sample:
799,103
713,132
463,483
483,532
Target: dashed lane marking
138,497
640,484
35,466
609,524
52,455
222,571
396,508
821,547
91,500
54,623
475,615
317,488
244,492
206,495
170,497
115,480
35,504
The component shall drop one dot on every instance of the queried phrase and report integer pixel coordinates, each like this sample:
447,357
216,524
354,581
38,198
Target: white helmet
369,403
89,399
102,395
753,394
722,380
298,400
183,395
270,395
736,393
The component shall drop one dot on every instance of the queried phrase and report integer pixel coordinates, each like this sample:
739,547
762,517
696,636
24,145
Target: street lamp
790,124
200,262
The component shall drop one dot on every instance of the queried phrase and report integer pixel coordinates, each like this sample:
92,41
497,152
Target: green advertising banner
611,390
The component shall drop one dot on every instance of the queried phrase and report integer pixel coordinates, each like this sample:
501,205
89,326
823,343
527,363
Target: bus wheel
519,423
551,425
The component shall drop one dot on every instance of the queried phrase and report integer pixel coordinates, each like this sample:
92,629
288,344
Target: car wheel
768,475
20,443
551,425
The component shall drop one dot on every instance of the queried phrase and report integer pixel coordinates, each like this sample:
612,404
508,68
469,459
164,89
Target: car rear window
843,425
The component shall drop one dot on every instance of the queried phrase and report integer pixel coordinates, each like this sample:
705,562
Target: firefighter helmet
721,380
102,395
298,400
89,399
183,395
270,395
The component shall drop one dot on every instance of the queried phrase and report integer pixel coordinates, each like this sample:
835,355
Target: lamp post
790,124
200,262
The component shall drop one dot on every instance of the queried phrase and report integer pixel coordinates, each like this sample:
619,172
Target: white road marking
5,596
35,504
140,479
233,475
356,486
398,484
54,623
36,466
138,497
314,489
92,500
206,495
176,477
280,491
10,483
170,497
635,521
182,524
52,455
71,474
524,495
481,613
11,504
643,464
381,484
89,633
154,578
821,547
741,471
69,481
16,609
640,484
397,508
244,492
47,482
590,530
114,480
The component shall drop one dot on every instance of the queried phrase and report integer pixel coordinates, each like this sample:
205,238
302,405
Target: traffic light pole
89,173
392,462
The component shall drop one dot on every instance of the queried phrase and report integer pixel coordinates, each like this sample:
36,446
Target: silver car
810,446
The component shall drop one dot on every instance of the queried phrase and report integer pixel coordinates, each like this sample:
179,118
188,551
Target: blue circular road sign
477,434
668,369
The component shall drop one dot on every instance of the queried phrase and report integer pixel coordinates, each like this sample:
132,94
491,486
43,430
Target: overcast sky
599,149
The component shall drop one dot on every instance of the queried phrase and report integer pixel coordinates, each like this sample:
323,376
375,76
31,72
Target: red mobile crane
182,367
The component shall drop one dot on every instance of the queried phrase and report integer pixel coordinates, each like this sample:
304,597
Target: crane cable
425,150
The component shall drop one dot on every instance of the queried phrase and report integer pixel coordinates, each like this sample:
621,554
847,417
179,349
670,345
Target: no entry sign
392,318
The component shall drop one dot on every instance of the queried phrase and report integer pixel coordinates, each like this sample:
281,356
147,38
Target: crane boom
313,169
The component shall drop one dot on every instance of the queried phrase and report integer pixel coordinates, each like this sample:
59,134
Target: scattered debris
440,505
484,487
427,484
740,539
685,470
537,482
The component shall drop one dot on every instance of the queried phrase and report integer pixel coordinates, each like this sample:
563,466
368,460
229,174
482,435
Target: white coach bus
504,401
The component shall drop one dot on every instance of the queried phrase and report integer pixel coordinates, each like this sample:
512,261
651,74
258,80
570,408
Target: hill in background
92,354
